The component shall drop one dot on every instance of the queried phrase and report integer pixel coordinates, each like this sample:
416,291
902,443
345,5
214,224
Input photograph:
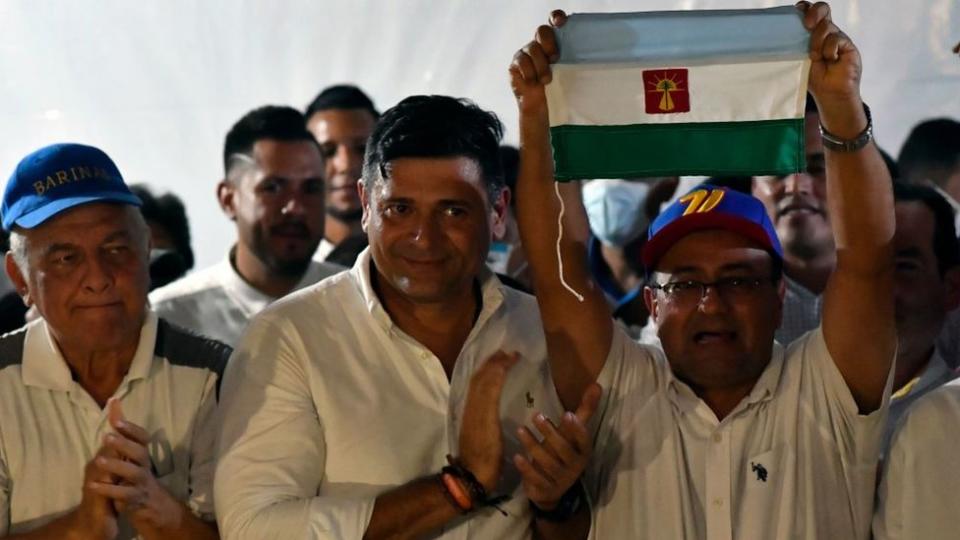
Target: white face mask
615,210
499,256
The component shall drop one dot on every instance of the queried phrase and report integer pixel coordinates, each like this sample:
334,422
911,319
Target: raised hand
481,440
552,465
834,72
530,69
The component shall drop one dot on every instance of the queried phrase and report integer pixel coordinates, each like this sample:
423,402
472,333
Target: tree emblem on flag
666,91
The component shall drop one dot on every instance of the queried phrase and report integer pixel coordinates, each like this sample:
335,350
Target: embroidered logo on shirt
529,401
760,470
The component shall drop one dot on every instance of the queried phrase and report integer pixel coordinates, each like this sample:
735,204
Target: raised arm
578,332
858,320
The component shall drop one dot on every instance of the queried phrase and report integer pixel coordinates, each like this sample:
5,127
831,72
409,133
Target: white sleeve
271,447
831,401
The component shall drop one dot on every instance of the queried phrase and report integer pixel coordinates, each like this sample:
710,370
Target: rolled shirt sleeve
271,447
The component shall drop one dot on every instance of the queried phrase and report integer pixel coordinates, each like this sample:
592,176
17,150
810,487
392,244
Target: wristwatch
569,504
837,144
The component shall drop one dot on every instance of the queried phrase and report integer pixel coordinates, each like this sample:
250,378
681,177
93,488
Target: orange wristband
457,492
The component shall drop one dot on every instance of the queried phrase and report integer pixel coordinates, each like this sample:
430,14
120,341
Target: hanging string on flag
556,189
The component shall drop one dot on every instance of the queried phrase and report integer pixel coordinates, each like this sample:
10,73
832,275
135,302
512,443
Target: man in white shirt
341,118
918,494
108,412
343,401
927,287
723,434
273,190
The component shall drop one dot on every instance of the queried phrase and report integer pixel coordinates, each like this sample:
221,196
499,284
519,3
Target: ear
653,305
364,204
951,280
499,210
18,279
226,196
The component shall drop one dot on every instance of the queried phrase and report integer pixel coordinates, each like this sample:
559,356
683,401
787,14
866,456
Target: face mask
499,256
615,210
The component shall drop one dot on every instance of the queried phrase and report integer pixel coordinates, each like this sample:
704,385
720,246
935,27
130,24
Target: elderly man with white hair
107,410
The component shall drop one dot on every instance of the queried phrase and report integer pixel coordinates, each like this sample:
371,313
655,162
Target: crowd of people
419,333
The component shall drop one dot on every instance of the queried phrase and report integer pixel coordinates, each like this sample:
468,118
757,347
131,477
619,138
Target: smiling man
723,433
70,465
273,191
345,400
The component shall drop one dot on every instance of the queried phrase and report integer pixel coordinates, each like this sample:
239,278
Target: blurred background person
506,257
341,118
171,256
12,309
931,156
617,226
926,288
273,191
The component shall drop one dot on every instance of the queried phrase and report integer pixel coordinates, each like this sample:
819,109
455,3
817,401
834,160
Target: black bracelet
567,506
478,494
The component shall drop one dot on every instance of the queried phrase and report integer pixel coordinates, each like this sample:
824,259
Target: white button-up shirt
934,375
328,404
51,427
794,460
218,303
919,496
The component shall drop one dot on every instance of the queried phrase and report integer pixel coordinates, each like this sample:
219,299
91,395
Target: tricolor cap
708,207
58,177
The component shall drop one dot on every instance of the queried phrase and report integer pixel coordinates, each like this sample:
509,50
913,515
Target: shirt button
717,437
718,502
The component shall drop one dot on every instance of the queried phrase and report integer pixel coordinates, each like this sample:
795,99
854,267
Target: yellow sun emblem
666,86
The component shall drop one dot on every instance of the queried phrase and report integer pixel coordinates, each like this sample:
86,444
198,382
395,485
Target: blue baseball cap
58,177
710,207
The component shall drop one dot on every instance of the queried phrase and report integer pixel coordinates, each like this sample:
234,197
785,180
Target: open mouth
797,208
710,338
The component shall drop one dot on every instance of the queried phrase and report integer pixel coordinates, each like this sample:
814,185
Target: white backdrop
157,84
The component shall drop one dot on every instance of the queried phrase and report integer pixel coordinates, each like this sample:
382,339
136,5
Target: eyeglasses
731,289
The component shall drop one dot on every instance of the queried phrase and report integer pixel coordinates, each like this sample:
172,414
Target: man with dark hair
723,433
341,118
273,190
108,411
931,154
170,253
926,288
343,400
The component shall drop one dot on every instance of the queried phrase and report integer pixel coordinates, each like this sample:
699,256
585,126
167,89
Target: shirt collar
44,365
934,374
491,292
250,299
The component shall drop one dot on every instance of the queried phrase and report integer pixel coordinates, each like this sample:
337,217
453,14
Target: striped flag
679,93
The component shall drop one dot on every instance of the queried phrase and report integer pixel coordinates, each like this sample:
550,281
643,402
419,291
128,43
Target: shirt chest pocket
767,498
